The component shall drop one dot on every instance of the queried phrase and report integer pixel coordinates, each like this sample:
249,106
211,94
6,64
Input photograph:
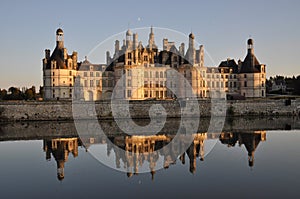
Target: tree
15,94
3,94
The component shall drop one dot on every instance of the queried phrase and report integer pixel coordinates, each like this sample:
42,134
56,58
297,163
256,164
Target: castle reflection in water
135,151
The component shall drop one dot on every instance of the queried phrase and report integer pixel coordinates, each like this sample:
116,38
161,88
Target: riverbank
54,129
62,110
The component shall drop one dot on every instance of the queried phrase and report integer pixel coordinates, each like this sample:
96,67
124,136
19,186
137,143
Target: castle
147,72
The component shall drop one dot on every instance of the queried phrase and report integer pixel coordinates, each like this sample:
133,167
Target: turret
60,38
47,54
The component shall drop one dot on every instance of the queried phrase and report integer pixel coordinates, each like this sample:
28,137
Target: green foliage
14,93
292,84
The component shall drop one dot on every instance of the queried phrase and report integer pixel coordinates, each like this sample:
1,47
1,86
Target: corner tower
59,70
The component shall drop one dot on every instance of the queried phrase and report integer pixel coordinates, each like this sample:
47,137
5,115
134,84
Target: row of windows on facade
92,83
157,94
202,84
85,74
164,75
70,73
64,94
53,64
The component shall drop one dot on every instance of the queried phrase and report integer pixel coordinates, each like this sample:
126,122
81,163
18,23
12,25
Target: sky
223,27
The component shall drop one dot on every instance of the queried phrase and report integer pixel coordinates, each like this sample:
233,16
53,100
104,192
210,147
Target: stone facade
148,72
59,71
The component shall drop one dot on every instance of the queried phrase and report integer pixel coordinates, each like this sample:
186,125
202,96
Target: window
161,74
53,74
129,73
234,84
85,74
97,74
156,84
128,93
245,76
156,74
262,84
226,76
146,74
218,84
70,79
262,93
70,73
129,63
230,84
85,83
97,82
245,83
226,84
129,82
263,76
129,55
175,58
213,84
150,74
145,58
146,84
91,83
161,84
91,74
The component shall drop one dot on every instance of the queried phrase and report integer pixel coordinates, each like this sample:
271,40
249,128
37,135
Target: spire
151,42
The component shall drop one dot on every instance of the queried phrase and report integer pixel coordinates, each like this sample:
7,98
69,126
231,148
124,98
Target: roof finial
85,57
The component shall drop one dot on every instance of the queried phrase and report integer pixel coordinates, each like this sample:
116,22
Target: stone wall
62,110
55,129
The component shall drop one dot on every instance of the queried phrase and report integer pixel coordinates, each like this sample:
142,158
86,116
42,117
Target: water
244,163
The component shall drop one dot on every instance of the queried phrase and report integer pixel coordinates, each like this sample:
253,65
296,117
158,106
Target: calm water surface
243,164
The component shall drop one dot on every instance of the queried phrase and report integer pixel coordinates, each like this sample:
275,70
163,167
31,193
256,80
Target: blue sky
28,27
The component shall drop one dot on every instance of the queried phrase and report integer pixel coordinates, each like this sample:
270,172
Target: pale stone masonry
148,73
